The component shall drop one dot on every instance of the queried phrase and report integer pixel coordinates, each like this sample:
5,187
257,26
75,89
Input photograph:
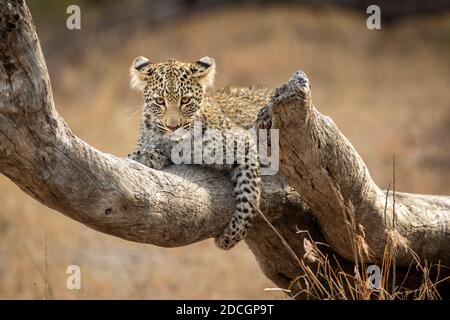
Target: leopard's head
173,91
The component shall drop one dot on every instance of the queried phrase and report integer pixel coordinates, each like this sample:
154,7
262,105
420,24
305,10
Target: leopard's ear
204,70
138,69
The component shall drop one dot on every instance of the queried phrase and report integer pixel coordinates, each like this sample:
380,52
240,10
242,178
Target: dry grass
329,281
323,278
387,91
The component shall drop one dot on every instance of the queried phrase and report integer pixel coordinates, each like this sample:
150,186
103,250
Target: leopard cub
177,95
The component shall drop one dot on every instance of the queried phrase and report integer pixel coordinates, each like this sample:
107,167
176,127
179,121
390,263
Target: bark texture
39,153
322,165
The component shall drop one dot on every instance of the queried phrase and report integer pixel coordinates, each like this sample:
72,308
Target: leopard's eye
185,100
160,101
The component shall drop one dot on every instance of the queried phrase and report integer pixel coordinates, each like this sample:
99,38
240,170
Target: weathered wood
322,165
38,152
185,204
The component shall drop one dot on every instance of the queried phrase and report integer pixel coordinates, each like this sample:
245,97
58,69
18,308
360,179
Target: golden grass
386,90
323,278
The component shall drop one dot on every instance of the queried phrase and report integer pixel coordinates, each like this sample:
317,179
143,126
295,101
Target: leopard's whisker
139,106
126,120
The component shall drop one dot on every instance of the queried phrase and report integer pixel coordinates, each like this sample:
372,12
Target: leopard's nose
173,128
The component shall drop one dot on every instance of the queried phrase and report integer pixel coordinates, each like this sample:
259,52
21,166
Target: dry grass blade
330,281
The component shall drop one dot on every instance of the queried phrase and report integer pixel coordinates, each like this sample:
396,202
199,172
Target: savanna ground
388,92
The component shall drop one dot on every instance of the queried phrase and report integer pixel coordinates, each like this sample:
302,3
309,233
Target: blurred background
387,90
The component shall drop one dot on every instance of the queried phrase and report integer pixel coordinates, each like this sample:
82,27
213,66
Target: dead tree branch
40,154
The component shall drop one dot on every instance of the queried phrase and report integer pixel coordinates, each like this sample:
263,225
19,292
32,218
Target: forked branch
185,204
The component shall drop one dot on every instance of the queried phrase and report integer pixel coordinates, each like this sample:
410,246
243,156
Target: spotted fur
176,95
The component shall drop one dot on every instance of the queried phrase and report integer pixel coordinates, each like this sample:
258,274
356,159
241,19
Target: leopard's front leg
150,157
247,190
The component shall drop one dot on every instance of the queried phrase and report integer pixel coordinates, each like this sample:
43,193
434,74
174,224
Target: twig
394,263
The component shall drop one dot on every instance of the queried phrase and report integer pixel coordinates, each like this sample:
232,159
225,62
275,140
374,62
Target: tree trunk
39,153
322,165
